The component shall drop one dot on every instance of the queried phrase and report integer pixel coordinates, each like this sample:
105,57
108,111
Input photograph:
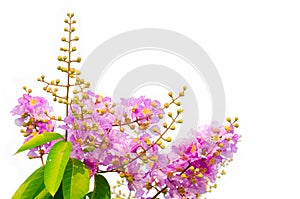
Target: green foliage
76,180
44,194
101,188
33,186
55,166
39,140
59,193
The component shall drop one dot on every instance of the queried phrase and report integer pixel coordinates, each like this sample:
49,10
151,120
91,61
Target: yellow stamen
146,111
193,149
33,102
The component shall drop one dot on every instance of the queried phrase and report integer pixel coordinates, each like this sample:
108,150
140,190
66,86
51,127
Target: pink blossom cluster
194,163
32,112
126,138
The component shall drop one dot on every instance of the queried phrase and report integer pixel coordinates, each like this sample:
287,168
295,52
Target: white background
255,46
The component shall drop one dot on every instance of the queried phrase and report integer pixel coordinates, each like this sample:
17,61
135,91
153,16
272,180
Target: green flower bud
165,125
60,58
78,72
179,120
228,119
87,85
180,110
168,139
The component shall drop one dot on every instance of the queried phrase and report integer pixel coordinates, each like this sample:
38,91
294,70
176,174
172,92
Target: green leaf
76,180
101,188
32,186
44,194
59,193
56,163
39,140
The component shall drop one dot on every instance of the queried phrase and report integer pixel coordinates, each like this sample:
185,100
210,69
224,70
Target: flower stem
68,72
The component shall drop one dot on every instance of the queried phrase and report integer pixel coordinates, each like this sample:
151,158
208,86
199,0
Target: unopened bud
178,103
168,139
200,175
179,110
60,58
179,120
183,175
